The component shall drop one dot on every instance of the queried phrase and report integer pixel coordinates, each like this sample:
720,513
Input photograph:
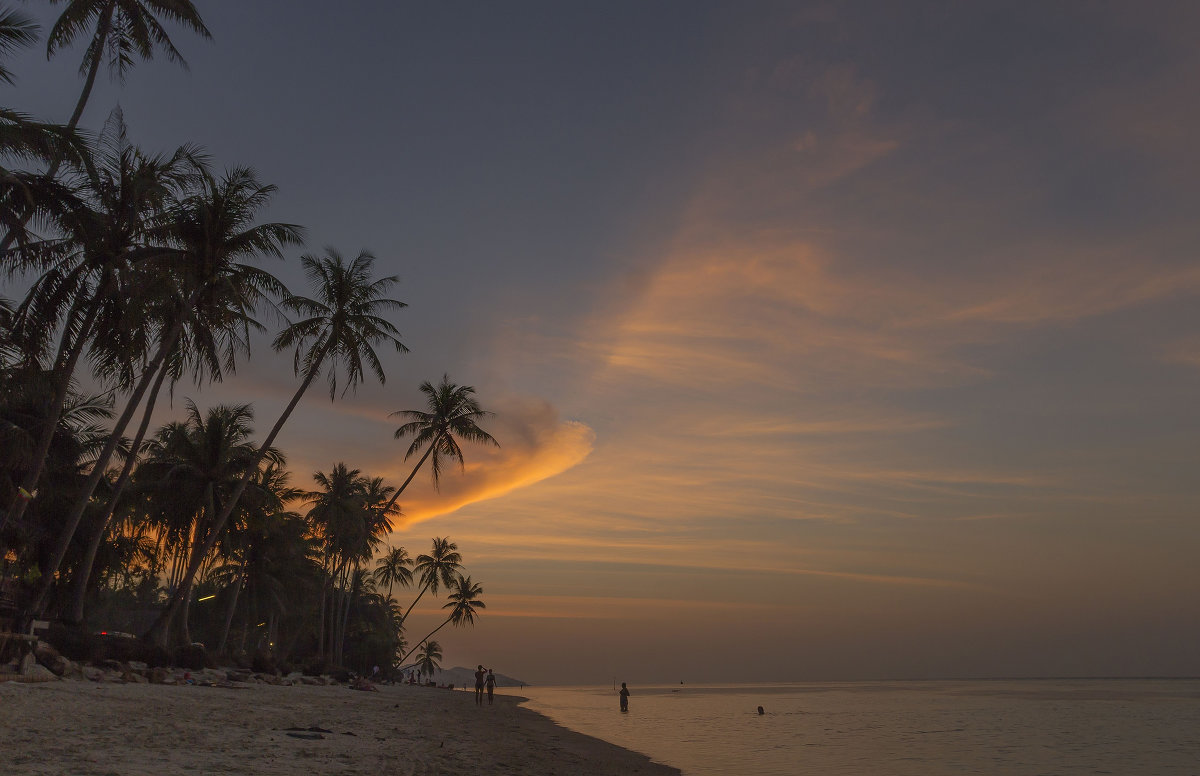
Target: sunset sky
825,341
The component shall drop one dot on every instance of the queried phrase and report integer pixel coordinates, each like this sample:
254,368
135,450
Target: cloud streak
534,445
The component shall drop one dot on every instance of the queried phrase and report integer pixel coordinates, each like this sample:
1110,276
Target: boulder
37,673
49,657
160,676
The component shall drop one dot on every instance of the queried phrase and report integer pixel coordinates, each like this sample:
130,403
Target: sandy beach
117,729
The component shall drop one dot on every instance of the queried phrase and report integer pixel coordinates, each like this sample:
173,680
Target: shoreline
135,729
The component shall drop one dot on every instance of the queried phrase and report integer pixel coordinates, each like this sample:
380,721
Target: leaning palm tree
463,603
119,29
93,272
393,569
452,411
211,233
338,331
437,569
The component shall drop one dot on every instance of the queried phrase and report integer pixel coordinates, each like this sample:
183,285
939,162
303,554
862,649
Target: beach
139,729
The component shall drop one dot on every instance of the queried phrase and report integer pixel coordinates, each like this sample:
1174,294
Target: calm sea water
1040,726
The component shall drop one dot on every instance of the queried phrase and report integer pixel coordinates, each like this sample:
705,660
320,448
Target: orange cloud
534,445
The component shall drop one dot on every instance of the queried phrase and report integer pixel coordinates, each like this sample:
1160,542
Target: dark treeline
128,272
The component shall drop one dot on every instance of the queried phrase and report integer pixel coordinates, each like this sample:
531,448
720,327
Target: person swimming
624,697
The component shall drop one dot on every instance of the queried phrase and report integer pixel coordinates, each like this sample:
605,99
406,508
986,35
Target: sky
826,341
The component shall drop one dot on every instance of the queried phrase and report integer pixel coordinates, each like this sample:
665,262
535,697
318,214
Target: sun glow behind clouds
536,445
897,372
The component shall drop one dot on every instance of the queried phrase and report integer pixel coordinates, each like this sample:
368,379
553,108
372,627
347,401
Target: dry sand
110,729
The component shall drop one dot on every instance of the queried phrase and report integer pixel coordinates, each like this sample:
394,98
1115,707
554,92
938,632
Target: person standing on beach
624,697
479,675
491,684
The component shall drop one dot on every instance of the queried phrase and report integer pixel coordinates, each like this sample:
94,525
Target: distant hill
465,677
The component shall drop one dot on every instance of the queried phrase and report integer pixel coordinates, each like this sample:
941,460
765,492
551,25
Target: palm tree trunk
346,614
427,638
85,495
414,603
233,599
102,31
83,573
400,490
158,631
65,360
325,585
185,633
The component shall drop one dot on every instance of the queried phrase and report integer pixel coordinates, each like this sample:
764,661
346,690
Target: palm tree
452,412
192,469
429,657
393,569
93,272
244,538
339,330
338,517
16,31
463,603
26,195
436,569
119,29
213,232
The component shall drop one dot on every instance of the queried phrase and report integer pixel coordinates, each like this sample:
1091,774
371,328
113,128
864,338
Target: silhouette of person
479,675
491,684
624,697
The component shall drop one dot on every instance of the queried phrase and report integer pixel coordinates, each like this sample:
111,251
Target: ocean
1048,727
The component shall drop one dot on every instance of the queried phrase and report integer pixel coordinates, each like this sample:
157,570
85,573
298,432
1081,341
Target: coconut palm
93,275
463,603
244,537
119,30
16,31
192,468
338,332
347,512
211,308
393,569
31,196
437,569
452,411
336,515
429,657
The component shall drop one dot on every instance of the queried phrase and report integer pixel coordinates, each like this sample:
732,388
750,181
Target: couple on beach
484,679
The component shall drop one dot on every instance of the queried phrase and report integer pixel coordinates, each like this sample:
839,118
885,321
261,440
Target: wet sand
115,729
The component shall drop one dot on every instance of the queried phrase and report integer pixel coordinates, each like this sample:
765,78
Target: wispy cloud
534,445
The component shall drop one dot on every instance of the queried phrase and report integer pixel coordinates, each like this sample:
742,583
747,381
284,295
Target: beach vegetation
128,271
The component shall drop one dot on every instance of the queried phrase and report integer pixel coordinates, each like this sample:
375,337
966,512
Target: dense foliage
126,272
